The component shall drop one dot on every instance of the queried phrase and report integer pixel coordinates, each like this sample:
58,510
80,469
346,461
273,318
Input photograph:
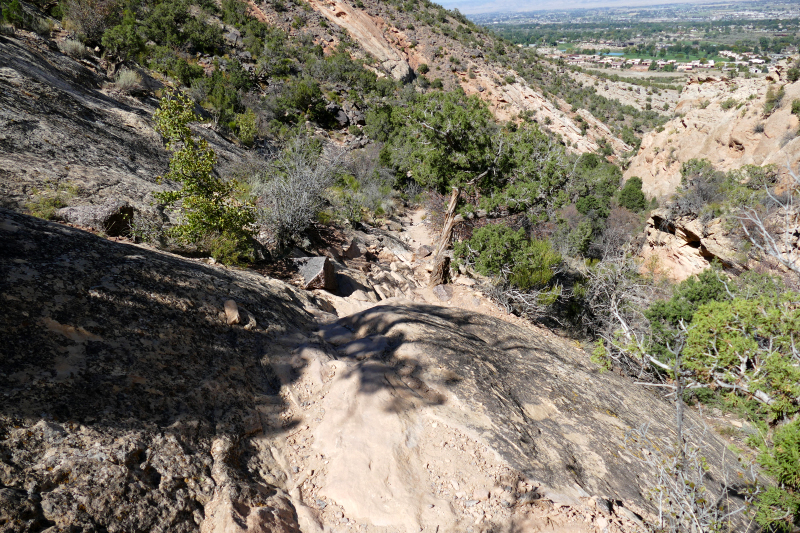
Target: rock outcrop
721,120
133,402
61,131
365,29
681,246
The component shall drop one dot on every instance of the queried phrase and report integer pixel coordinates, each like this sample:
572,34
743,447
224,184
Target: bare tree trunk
679,406
441,262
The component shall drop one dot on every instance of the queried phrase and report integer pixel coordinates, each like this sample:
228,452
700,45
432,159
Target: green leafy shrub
245,126
423,68
123,41
729,103
497,250
746,345
631,196
208,205
796,107
781,461
45,203
12,13
774,99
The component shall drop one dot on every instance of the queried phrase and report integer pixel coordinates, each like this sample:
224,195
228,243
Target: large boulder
113,217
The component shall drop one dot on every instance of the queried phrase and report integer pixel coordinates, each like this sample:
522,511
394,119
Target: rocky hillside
459,53
67,133
724,121
152,391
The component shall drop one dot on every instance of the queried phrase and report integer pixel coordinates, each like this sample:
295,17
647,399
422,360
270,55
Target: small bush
631,196
208,205
292,191
127,80
796,107
245,126
44,204
73,48
758,128
729,103
497,250
793,74
773,100
91,17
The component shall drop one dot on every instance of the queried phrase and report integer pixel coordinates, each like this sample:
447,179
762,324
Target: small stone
454,484
231,312
322,504
443,292
471,503
424,251
318,273
480,494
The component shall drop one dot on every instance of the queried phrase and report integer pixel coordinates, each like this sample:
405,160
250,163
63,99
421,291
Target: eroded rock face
729,138
366,31
120,372
683,246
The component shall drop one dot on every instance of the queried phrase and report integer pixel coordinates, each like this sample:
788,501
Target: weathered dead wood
441,263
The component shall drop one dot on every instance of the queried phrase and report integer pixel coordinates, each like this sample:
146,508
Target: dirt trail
380,445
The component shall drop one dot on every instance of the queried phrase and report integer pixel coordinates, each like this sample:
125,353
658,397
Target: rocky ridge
681,246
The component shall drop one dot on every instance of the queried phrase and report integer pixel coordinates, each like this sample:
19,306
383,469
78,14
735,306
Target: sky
505,6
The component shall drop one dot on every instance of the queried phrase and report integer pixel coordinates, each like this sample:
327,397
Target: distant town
740,62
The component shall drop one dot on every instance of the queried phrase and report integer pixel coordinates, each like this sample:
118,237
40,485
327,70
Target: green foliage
497,250
601,357
449,139
793,74
208,206
164,60
302,98
45,203
245,126
779,506
796,107
665,316
748,344
729,103
12,13
423,68
774,99
123,41
631,196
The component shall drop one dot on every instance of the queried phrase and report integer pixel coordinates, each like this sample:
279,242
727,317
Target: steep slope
64,127
137,398
459,54
721,120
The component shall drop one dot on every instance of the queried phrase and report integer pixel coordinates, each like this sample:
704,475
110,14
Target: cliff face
721,120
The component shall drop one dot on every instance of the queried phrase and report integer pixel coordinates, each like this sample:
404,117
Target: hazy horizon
475,7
